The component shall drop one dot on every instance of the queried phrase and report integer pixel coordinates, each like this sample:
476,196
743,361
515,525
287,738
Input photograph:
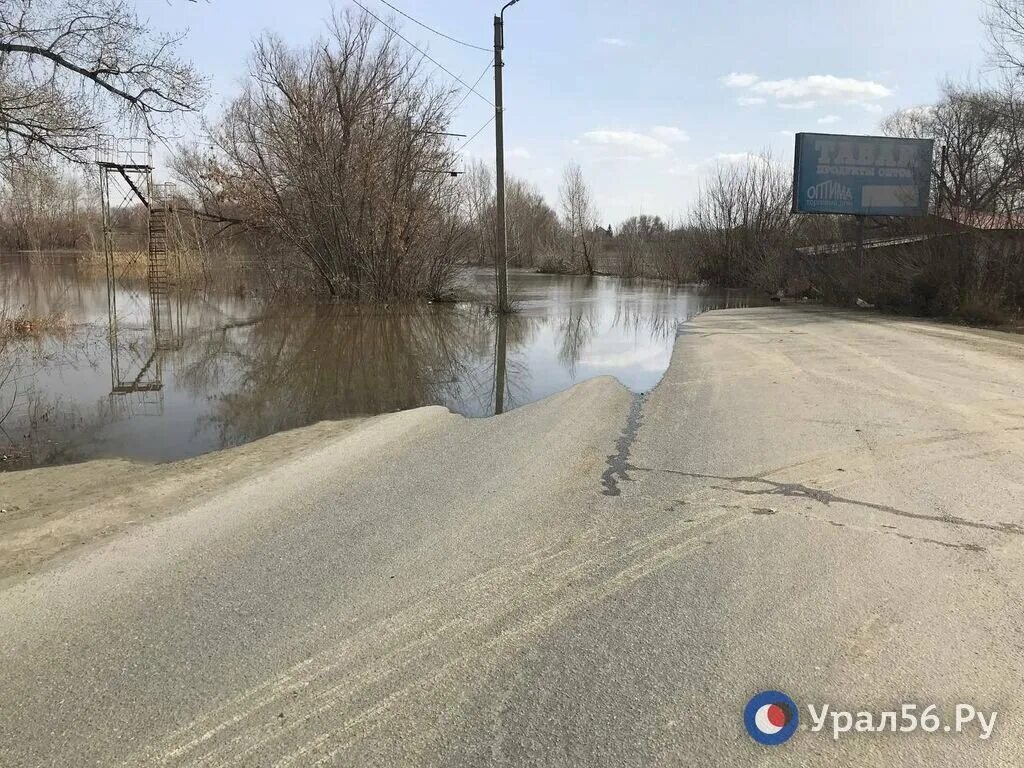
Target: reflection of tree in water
575,333
653,314
40,431
333,362
39,428
639,319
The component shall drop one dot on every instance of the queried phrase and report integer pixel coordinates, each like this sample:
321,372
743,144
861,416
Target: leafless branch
68,67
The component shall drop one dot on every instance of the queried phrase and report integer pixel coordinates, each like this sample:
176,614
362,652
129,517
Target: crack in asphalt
892,530
618,463
827,498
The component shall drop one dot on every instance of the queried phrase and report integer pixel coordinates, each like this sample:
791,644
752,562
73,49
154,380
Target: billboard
861,175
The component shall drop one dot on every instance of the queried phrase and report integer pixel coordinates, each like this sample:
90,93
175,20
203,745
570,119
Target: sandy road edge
55,513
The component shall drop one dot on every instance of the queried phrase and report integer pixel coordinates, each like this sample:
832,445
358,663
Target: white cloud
739,80
823,88
615,42
670,134
520,153
829,119
750,101
807,92
627,143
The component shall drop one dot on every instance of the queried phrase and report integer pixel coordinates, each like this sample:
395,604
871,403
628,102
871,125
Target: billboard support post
860,258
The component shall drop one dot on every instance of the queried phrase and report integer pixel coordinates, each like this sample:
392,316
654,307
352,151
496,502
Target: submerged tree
69,67
742,227
579,214
532,225
335,149
638,239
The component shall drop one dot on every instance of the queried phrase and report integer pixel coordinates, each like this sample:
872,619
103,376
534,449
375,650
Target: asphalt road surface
826,504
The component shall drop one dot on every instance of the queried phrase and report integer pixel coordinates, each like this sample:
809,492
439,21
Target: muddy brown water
223,367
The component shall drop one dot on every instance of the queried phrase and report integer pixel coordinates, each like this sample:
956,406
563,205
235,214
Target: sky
648,95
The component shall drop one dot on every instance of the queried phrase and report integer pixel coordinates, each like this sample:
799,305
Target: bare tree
336,149
647,228
67,67
1004,23
672,256
636,243
632,251
532,224
579,216
742,225
478,195
975,127
44,207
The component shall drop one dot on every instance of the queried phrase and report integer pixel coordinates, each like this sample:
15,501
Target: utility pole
500,234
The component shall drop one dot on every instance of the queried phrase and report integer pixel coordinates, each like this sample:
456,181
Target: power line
473,89
442,133
436,32
424,53
469,141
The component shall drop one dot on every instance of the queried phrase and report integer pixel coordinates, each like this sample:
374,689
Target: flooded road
222,368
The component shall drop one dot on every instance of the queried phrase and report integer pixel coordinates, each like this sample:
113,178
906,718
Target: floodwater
213,369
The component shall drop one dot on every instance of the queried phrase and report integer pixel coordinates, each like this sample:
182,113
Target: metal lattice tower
138,333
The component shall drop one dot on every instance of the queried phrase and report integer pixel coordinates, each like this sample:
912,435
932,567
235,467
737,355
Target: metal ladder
159,273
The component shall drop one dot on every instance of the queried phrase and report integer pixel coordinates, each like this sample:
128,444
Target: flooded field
213,369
